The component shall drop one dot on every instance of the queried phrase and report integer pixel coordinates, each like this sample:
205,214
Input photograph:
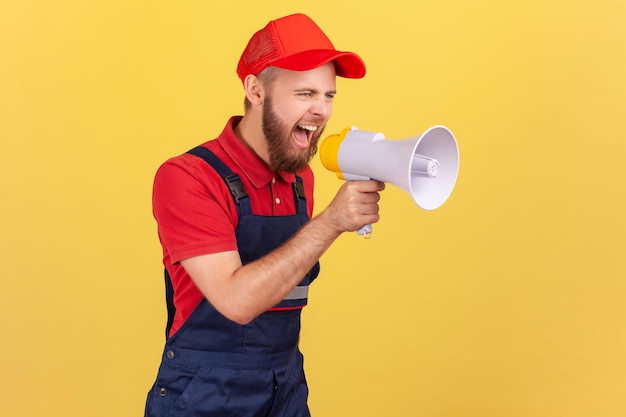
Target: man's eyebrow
313,90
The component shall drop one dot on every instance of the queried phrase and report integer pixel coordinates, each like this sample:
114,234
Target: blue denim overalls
213,366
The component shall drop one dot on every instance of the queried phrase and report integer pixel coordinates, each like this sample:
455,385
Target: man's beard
283,156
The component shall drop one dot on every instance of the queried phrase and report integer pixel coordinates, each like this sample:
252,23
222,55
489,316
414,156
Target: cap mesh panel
260,51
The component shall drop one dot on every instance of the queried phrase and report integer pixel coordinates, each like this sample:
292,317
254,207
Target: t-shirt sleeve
193,208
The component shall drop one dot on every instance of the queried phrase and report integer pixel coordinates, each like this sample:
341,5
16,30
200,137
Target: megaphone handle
365,230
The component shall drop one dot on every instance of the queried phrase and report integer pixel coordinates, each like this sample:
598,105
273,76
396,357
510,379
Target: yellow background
508,301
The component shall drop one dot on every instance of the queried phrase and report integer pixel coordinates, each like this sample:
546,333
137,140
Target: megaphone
425,166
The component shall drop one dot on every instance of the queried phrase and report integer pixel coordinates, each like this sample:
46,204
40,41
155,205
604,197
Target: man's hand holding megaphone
355,205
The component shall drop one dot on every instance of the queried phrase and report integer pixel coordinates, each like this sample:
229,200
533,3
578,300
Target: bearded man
240,248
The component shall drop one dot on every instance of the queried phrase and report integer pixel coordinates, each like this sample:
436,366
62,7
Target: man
239,246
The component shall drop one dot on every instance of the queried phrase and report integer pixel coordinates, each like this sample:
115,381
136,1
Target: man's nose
321,107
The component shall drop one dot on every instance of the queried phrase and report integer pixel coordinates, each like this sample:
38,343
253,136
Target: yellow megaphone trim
329,152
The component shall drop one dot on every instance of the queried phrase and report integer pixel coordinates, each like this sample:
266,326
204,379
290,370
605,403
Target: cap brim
347,64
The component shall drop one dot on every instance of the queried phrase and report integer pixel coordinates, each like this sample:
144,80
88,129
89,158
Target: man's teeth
308,127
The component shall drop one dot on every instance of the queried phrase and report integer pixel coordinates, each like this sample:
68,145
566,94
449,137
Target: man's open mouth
303,135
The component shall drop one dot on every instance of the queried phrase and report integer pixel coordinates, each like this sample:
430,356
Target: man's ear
254,90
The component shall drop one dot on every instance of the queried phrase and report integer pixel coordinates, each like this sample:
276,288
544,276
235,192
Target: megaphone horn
425,166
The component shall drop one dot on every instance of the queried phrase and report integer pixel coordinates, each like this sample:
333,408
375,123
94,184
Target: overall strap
232,180
298,195
242,201
297,298
236,186
169,303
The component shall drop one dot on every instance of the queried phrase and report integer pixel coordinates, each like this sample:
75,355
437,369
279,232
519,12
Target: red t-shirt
196,214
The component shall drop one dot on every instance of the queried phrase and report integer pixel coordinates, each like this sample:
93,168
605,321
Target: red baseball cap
295,43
